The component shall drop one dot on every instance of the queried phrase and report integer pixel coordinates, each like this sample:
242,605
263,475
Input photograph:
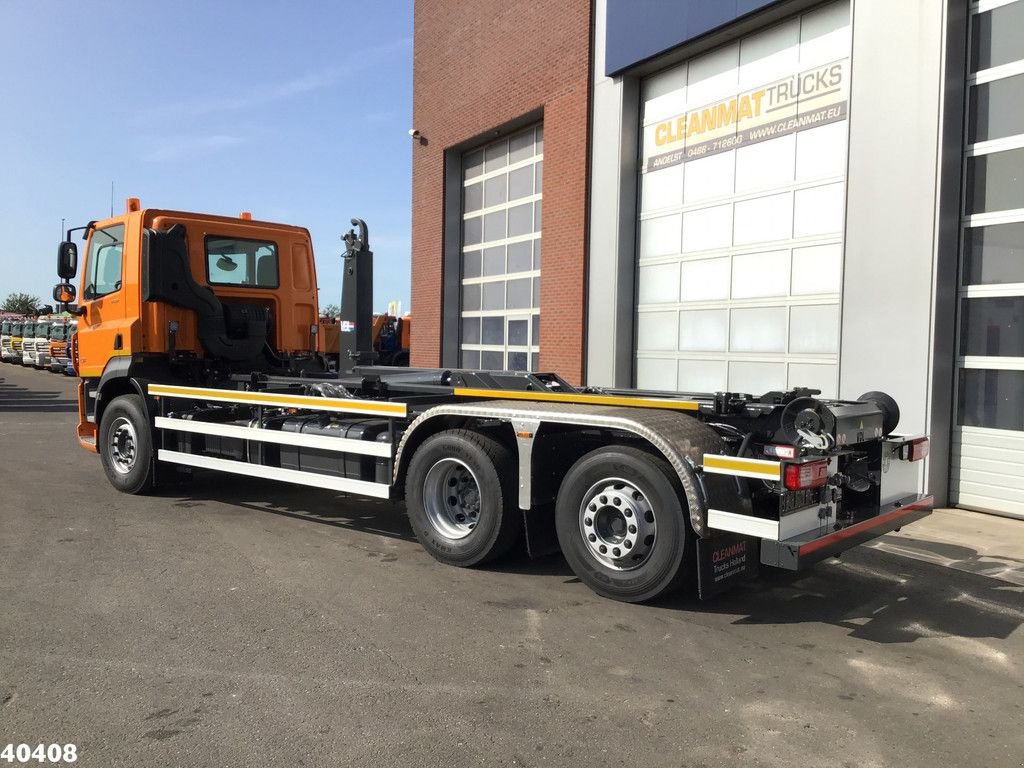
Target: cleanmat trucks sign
807,99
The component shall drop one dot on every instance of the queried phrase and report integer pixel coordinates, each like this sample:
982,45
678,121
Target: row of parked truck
41,342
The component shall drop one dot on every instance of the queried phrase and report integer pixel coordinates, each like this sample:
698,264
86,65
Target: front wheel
126,445
621,524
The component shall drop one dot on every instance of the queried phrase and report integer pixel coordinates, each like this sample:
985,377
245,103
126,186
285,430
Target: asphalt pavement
238,622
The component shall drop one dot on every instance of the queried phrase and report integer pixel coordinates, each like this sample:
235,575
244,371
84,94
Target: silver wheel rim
451,498
618,524
124,446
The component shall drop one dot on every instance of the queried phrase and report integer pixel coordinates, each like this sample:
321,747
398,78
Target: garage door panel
760,275
663,188
707,229
760,221
993,479
1014,458
995,464
817,269
660,236
709,178
824,34
764,219
969,499
659,283
819,210
1003,439
756,377
770,55
713,75
703,375
656,373
821,152
705,279
767,164
968,487
987,469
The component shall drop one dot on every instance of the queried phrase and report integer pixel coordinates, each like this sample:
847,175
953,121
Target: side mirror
64,293
67,260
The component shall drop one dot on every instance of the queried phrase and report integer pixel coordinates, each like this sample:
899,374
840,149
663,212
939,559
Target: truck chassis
641,491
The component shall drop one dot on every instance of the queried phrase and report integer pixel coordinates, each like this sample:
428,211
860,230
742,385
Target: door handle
118,342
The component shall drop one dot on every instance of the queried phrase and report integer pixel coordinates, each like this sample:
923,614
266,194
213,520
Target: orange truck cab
188,297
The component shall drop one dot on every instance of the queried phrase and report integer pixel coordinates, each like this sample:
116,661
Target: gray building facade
826,194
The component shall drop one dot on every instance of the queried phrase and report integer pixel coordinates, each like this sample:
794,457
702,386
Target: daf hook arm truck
196,348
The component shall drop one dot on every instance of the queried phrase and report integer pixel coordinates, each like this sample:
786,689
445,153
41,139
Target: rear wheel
460,498
126,445
621,524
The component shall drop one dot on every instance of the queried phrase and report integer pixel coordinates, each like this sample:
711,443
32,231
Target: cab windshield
41,329
58,334
5,328
16,329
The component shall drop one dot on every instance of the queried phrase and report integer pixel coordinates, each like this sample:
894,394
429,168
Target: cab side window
242,262
104,262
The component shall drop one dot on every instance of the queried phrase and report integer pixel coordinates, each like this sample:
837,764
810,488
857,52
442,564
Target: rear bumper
808,548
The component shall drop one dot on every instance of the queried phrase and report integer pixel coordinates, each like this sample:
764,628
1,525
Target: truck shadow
382,517
17,399
357,513
875,596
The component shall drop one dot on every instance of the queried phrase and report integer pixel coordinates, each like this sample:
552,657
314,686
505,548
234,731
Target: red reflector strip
855,530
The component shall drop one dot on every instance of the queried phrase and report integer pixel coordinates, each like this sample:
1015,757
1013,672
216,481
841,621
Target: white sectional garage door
988,441
741,215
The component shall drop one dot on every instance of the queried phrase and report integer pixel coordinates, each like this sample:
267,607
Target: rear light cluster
810,474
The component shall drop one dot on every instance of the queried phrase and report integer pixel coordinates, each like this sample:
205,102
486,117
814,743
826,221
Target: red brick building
500,102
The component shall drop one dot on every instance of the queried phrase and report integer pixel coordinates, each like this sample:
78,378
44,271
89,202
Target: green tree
22,303
330,310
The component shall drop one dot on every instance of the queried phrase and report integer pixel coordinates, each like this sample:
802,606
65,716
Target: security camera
414,133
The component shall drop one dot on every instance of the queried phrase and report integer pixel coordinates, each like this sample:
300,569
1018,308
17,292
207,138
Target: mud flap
725,559
539,530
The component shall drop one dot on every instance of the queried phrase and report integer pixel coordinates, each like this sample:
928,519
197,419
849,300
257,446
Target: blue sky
298,112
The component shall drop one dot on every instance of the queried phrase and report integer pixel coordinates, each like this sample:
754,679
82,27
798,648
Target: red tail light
915,450
811,474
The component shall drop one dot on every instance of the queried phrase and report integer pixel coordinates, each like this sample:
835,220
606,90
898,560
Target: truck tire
622,524
460,498
126,445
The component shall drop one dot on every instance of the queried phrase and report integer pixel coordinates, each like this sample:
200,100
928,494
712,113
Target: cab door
103,328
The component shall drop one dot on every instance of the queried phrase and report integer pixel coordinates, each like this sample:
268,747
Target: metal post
355,336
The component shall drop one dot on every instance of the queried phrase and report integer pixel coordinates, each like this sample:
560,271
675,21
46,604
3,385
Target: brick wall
477,66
